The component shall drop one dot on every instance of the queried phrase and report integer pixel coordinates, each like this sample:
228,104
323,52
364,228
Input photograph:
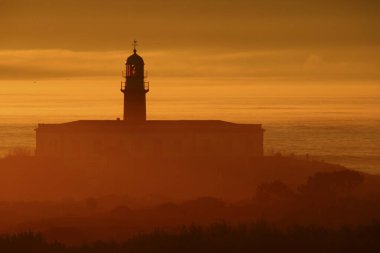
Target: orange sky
248,61
292,40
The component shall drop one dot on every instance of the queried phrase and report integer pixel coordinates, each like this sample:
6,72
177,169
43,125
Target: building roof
149,125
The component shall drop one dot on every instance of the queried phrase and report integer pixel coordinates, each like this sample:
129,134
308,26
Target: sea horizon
342,128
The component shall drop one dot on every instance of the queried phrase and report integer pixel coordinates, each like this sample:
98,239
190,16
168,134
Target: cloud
327,39
286,64
214,25
313,62
42,64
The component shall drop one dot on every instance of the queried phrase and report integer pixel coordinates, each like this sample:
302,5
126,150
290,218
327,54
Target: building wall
144,143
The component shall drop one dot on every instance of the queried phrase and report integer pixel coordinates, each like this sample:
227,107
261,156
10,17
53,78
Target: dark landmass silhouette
152,179
75,203
220,237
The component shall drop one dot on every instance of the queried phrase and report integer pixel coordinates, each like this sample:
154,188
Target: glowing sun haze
307,70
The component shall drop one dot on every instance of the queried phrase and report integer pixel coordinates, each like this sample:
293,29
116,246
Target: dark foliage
256,237
333,183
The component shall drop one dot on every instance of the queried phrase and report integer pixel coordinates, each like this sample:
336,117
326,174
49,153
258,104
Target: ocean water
338,123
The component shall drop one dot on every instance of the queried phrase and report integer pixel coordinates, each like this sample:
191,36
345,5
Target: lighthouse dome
135,59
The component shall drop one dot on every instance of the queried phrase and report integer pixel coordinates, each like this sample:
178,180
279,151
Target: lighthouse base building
92,139
134,136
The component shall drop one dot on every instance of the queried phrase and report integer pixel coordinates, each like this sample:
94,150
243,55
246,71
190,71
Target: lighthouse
137,137
134,87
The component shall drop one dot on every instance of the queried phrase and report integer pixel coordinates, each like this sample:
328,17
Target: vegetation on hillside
255,237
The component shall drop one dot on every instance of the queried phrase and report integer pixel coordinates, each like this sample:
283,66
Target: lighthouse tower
134,88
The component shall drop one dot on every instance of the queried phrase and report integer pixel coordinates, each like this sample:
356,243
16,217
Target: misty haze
210,126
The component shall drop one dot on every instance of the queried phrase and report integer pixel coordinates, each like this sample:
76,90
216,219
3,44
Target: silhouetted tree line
329,198
255,237
322,185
